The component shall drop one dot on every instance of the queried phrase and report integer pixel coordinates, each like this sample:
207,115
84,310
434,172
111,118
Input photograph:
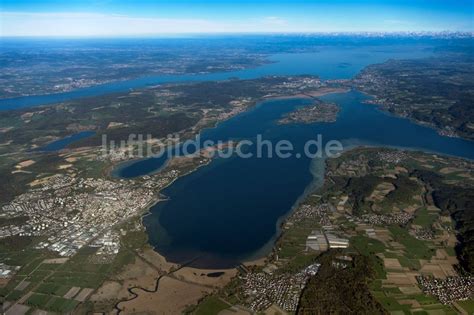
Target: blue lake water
329,63
227,211
64,142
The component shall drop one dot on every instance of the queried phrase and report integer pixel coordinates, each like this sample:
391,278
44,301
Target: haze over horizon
146,18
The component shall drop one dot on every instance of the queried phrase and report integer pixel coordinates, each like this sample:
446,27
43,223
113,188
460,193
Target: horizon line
146,35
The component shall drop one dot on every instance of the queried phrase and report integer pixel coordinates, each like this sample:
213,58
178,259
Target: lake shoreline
265,250
350,103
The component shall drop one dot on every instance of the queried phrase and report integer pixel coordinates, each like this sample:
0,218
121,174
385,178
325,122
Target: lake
339,62
64,142
228,211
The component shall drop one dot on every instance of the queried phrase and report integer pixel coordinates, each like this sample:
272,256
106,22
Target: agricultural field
384,202
59,285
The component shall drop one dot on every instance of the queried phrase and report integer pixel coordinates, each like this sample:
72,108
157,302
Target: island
318,112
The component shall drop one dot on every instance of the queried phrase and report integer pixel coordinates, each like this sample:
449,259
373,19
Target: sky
155,17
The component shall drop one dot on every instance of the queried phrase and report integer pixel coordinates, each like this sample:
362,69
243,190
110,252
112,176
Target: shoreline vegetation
259,259
289,254
270,257
174,161
209,125
380,106
311,94
160,111
436,92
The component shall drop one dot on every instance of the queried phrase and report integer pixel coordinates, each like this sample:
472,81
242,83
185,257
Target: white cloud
94,24
97,24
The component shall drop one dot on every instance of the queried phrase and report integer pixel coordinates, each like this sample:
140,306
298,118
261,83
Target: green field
467,305
425,299
413,264
53,289
424,218
50,267
62,305
293,240
210,306
367,246
14,295
38,300
51,303
391,304
414,248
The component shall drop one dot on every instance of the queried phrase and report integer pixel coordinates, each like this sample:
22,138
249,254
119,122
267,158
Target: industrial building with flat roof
321,240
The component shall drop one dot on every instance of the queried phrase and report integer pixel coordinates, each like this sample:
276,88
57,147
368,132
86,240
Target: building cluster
76,83
319,212
71,212
7,271
448,131
108,246
371,82
264,289
10,230
291,85
301,83
159,182
322,240
392,156
447,290
351,167
400,218
382,101
424,234
389,91
342,261
238,106
115,154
